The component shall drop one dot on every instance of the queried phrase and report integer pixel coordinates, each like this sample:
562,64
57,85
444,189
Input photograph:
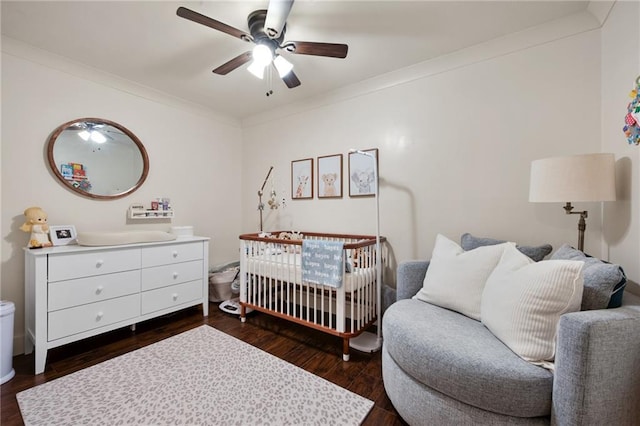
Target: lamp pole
582,224
378,254
367,342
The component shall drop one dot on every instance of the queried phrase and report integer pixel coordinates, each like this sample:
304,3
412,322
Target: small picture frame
61,235
302,179
330,176
362,173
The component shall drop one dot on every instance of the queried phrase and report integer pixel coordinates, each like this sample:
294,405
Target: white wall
195,158
456,137
620,68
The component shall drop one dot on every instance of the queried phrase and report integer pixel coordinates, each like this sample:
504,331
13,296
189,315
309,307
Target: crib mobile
631,127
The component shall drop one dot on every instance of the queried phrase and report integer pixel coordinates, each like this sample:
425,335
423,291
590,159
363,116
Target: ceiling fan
267,29
89,130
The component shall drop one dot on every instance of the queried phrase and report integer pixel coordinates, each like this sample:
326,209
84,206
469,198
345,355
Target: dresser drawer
87,317
79,265
162,276
173,253
174,295
65,294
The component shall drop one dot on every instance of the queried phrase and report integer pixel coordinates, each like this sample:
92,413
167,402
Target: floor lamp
577,178
367,341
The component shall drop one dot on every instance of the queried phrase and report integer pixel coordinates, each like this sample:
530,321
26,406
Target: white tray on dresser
75,292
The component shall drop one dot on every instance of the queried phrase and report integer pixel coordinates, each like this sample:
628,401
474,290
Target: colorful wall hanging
631,127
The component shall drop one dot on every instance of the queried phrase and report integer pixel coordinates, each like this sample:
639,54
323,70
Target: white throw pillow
523,301
455,278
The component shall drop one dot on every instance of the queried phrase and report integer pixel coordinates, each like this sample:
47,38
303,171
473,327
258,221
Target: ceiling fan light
256,69
262,55
283,66
98,137
85,135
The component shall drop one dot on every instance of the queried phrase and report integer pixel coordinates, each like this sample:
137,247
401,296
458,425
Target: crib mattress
285,266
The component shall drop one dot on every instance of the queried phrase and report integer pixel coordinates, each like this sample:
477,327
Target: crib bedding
286,267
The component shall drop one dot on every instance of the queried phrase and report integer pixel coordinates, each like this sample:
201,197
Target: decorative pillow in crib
603,282
523,301
537,253
456,278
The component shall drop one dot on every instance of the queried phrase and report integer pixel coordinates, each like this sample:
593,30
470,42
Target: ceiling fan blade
277,14
239,60
332,50
291,80
191,15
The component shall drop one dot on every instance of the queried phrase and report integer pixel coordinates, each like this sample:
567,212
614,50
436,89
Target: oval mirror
97,158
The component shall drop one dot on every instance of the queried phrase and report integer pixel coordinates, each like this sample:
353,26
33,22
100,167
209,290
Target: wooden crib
271,282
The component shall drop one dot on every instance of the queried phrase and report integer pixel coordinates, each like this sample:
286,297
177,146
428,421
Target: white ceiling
145,42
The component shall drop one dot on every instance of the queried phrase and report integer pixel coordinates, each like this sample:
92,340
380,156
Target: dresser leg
41,359
132,327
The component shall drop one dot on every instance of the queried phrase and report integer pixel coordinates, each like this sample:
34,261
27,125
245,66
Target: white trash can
7,310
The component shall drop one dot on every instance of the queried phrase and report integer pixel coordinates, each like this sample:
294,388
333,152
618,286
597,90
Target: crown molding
13,47
522,40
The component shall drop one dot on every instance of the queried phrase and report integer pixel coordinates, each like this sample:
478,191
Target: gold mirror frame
56,169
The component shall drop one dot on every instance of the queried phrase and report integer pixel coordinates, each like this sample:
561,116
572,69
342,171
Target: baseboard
18,344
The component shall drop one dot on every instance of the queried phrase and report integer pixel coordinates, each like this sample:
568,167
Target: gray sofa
443,368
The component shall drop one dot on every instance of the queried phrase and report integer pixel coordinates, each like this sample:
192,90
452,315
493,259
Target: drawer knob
175,275
99,316
174,296
99,289
175,253
99,263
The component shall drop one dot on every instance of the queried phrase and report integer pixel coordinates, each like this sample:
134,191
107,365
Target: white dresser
74,292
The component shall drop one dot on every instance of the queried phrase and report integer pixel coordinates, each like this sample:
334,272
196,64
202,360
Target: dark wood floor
316,352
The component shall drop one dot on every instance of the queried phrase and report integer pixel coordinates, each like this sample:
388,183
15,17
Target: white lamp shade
256,69
578,178
283,66
262,55
85,135
98,137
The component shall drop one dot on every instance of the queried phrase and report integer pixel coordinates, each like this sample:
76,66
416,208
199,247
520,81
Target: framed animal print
302,179
363,173
330,176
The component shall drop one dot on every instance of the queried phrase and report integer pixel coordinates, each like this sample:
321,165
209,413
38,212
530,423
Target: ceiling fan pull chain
269,82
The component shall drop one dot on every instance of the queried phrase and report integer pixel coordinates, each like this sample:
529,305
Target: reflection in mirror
97,158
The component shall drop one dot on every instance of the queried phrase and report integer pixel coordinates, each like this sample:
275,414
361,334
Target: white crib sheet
285,266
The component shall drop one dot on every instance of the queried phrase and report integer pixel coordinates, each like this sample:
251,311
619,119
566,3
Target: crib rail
271,282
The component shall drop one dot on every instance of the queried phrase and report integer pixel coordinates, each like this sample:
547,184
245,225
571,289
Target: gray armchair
440,367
